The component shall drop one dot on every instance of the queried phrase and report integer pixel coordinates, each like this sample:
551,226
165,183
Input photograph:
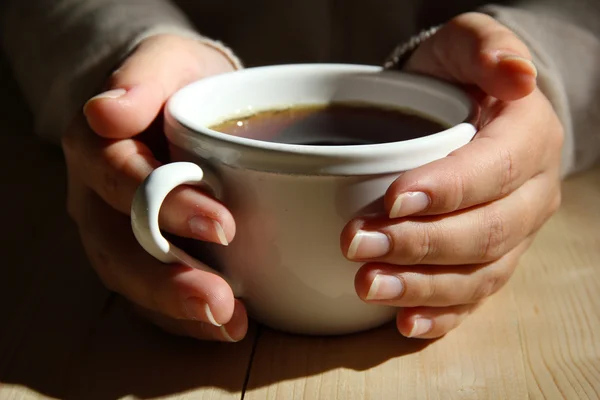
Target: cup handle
146,206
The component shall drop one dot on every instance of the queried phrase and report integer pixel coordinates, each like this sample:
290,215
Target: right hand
109,151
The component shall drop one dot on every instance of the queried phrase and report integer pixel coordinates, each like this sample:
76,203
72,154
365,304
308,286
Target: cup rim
182,131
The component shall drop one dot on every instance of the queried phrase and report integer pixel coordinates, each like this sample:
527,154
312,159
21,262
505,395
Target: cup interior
211,101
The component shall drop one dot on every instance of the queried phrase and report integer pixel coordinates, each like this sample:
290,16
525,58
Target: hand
456,227
110,153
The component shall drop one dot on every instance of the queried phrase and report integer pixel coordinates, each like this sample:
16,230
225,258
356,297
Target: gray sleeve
564,37
61,51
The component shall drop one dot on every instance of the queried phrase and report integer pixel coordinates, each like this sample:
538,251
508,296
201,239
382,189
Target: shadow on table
281,357
130,357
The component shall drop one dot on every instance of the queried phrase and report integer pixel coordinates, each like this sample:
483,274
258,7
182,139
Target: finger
114,169
474,236
138,90
234,331
522,139
432,322
177,291
474,48
435,286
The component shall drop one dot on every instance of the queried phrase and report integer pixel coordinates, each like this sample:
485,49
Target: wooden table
62,335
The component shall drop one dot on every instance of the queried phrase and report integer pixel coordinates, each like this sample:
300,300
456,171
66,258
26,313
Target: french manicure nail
366,245
420,327
208,229
409,203
199,310
226,335
385,287
507,57
235,329
111,94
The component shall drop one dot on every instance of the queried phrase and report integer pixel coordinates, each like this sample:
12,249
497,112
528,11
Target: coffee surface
332,124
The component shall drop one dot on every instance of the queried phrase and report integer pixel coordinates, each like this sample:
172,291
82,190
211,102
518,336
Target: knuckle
508,173
493,243
422,291
430,290
491,281
484,289
556,202
457,192
420,247
453,186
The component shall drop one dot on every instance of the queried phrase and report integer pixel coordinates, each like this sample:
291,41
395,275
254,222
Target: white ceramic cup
291,202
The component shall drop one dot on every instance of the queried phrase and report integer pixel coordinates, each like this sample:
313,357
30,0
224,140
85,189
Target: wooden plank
558,292
481,359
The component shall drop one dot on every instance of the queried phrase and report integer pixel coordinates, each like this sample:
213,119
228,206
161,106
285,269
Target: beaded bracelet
403,51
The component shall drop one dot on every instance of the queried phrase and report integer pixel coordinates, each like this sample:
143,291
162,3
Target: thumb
138,90
475,49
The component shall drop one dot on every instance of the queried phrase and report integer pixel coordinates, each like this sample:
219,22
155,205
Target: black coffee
335,124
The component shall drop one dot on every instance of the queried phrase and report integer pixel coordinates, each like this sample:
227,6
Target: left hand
456,227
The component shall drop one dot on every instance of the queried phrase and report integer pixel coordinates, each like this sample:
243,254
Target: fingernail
409,203
420,327
226,335
366,245
199,310
235,329
385,287
111,94
208,229
529,64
